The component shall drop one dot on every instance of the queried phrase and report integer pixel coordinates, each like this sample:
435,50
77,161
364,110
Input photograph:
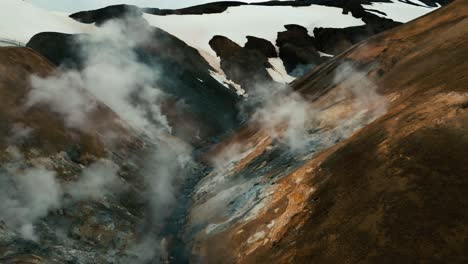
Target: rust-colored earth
394,192
49,131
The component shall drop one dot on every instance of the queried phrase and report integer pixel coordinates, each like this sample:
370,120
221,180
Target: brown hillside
396,191
49,133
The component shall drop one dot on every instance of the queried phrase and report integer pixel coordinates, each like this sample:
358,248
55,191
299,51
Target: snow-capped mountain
266,21
236,21
351,21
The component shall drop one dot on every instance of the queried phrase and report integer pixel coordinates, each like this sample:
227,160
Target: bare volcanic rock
295,34
209,8
349,6
336,40
100,16
245,66
262,45
297,49
63,51
224,47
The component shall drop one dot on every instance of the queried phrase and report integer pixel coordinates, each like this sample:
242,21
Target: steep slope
394,191
361,160
248,23
78,183
183,73
50,132
40,154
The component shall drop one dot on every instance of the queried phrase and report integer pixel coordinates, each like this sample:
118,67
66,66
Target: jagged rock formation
245,66
100,16
262,45
299,59
297,50
337,40
209,8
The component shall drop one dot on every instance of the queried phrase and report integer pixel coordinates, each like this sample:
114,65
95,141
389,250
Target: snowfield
278,72
399,11
21,20
222,79
237,23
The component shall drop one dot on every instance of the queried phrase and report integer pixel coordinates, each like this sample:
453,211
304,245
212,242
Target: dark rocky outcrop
210,8
337,40
224,47
100,16
185,75
262,45
349,6
297,49
63,51
244,66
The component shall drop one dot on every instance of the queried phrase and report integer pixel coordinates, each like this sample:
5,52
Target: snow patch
322,54
278,72
401,12
221,78
20,21
237,23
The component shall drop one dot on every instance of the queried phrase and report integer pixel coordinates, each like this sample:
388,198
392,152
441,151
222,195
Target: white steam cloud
304,126
285,115
27,195
294,121
114,75
65,95
97,180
